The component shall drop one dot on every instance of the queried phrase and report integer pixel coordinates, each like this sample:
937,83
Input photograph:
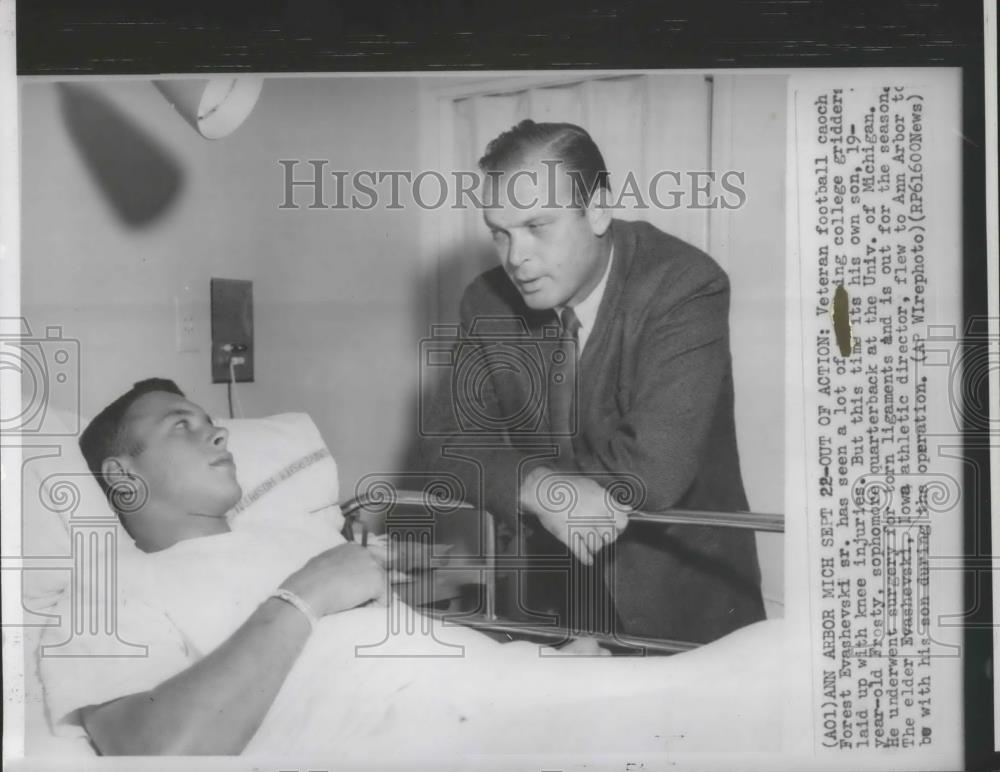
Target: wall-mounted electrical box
232,330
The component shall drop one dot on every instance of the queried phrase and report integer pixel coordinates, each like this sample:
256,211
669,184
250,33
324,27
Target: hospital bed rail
413,512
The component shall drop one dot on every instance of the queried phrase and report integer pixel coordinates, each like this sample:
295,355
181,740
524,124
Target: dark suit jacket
655,403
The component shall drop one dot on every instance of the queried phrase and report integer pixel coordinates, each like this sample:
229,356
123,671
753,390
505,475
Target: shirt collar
586,309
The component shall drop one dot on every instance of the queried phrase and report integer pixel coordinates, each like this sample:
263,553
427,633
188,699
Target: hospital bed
283,463
415,517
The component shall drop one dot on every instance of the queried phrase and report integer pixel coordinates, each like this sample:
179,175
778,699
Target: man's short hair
565,143
107,435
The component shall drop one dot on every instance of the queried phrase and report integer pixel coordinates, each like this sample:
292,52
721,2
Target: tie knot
570,322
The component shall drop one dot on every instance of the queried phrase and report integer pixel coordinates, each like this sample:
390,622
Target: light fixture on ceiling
214,107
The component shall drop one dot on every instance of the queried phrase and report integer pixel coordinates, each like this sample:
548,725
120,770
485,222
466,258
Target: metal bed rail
399,509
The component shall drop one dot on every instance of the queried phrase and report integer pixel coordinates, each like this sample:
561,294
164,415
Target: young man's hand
576,510
401,557
339,579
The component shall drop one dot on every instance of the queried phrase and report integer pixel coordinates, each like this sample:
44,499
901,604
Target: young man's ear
127,493
115,468
599,211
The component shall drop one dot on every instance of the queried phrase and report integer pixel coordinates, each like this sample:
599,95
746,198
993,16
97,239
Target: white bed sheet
506,698
497,698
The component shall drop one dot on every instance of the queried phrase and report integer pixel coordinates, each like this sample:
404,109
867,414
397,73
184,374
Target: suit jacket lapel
600,337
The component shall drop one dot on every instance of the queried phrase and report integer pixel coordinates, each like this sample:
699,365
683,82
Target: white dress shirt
586,309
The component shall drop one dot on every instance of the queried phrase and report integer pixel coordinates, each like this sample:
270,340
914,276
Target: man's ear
599,212
127,493
115,467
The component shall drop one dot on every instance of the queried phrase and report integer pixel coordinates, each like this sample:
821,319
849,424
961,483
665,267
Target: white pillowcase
283,466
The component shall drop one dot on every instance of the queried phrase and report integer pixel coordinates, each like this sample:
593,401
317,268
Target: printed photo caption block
879,238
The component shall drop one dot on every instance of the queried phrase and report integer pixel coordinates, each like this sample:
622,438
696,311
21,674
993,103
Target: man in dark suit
625,329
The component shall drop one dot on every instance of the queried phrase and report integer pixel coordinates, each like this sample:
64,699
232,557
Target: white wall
749,136
335,292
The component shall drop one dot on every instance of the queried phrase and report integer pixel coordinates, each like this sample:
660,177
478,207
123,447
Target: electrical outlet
186,326
232,329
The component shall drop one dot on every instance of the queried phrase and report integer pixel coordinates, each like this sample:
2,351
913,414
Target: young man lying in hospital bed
277,640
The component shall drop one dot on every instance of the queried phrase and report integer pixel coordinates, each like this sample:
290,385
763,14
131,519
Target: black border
978,583
135,37
66,37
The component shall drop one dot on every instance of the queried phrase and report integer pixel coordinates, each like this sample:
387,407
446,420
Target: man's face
549,248
181,456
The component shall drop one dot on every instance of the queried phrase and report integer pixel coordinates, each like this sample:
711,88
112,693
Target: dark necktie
563,383
591,608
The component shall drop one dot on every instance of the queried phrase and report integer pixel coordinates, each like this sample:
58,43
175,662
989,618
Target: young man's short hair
567,144
107,434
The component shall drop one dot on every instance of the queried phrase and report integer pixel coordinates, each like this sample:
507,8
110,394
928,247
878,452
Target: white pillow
282,464
284,468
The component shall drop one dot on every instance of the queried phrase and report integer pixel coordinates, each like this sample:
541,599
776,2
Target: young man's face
549,248
181,456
